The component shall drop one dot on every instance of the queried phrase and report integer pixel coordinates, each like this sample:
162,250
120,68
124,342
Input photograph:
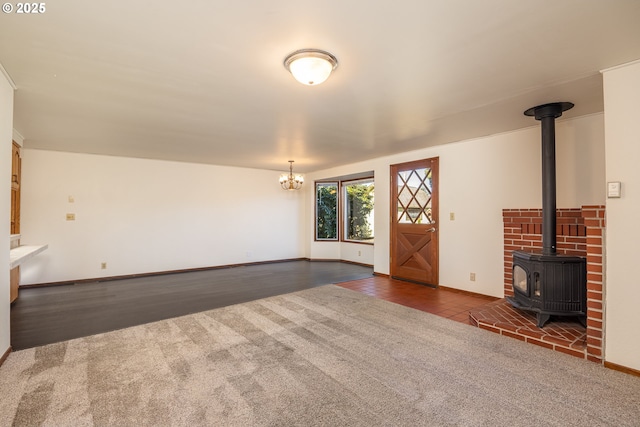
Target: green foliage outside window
326,211
359,209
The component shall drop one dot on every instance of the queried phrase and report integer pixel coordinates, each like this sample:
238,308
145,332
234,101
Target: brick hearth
579,232
566,335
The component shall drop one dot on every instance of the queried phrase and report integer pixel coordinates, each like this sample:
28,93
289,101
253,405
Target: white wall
354,252
622,124
357,252
143,216
6,130
479,178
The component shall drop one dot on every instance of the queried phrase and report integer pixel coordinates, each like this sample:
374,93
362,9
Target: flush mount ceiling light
291,182
310,66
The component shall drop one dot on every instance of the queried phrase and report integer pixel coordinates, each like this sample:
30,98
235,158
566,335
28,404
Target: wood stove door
414,221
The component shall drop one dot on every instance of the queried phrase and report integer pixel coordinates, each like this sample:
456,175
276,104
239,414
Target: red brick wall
523,232
578,232
594,220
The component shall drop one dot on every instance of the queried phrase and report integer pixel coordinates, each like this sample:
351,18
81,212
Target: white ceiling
203,81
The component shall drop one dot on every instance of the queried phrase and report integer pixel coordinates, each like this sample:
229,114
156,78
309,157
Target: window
358,210
326,211
414,196
348,217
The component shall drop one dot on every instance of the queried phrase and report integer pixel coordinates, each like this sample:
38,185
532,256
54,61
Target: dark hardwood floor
52,314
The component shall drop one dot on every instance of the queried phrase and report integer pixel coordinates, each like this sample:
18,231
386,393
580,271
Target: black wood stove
549,283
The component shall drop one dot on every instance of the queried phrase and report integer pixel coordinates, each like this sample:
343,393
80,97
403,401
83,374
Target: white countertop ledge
22,253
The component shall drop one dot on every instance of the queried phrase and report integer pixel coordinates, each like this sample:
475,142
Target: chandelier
310,66
291,182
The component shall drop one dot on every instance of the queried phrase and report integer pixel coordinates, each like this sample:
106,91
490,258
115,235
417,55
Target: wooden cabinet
16,165
15,283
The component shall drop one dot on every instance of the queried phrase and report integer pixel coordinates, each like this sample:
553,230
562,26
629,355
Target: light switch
71,199
614,189
71,217
452,216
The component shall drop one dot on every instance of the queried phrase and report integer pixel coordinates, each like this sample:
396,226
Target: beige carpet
321,357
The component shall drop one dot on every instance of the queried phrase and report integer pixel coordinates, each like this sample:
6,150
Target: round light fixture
310,66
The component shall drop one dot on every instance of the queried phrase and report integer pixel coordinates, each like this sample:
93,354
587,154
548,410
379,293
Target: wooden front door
414,221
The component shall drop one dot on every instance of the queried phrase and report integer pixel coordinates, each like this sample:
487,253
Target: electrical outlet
71,199
71,217
472,277
359,253
103,266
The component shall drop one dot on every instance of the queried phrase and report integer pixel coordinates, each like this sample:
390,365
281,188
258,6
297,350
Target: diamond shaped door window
414,196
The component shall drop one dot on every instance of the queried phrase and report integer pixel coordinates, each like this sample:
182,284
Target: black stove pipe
547,114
